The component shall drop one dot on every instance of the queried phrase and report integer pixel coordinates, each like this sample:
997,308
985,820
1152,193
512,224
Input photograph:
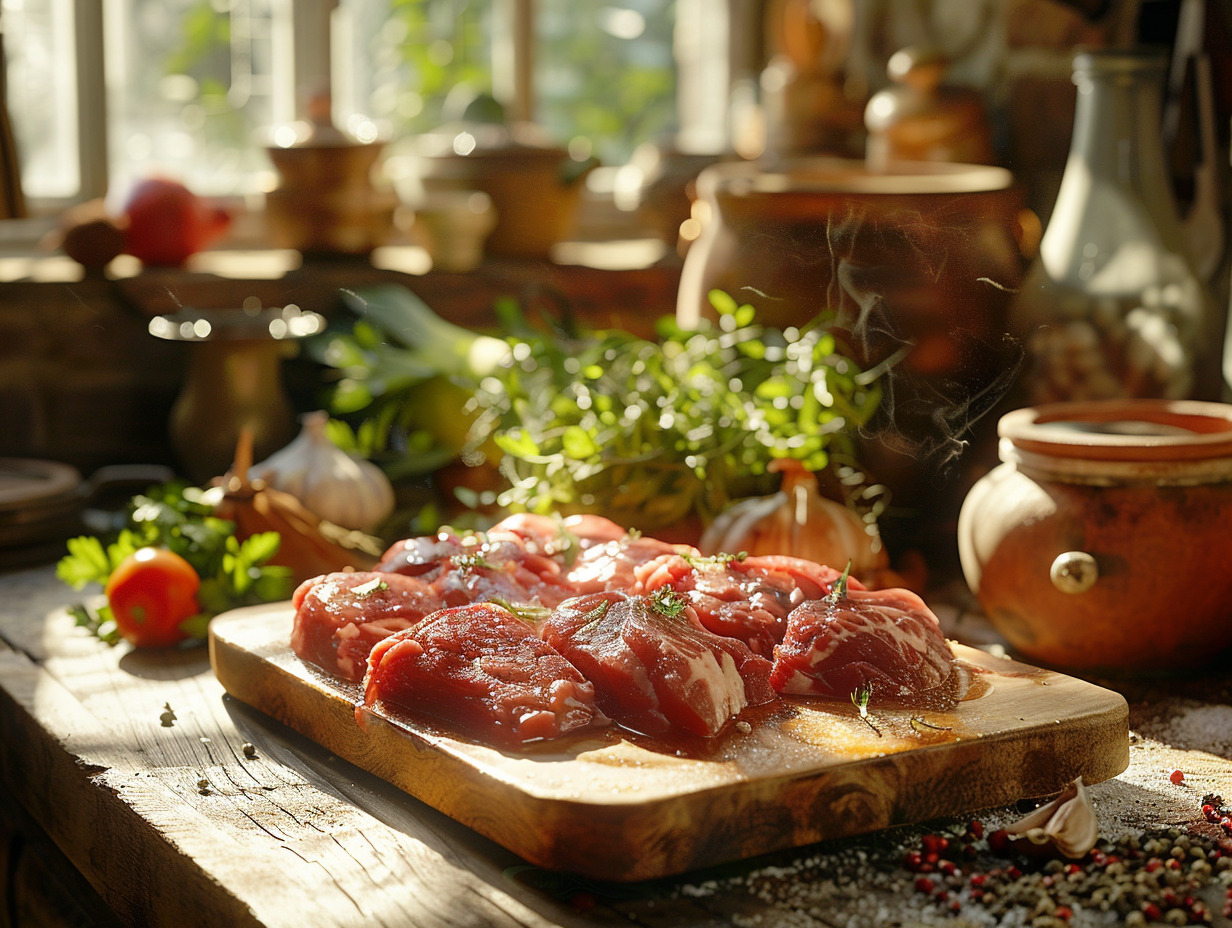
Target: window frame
302,60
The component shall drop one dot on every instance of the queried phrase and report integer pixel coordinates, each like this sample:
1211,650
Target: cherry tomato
150,593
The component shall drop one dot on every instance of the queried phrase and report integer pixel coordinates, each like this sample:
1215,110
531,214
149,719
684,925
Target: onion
797,521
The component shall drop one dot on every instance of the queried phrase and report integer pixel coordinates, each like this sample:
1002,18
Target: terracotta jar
916,263
920,118
1101,543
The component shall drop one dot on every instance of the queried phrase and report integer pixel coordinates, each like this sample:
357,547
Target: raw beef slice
655,668
613,564
340,616
742,597
885,639
480,567
483,671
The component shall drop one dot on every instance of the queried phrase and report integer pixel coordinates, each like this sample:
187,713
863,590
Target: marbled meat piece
484,672
340,616
888,640
495,565
748,598
423,556
613,564
655,668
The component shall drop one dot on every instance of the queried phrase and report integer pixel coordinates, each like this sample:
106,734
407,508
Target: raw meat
888,640
340,616
484,671
425,557
655,668
742,597
494,565
613,565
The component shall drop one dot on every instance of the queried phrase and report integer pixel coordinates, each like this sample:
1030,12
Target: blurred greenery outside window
192,87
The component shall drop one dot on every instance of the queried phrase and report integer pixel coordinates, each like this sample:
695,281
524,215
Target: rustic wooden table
169,803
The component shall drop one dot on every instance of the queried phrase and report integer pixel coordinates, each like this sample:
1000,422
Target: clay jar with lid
330,199
1101,544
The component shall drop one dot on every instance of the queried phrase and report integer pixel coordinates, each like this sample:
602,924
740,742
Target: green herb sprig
180,518
860,698
648,431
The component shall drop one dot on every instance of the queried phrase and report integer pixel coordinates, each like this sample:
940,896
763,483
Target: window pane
400,59
42,94
189,90
604,70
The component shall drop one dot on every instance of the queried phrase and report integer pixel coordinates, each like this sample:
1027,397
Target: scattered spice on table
1171,876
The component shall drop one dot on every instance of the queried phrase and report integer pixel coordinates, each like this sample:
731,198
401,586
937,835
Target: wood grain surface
615,808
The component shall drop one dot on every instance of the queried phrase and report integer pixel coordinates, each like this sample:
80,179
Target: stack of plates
40,506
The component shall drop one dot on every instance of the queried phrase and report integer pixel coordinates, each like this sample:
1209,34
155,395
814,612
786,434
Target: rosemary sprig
668,602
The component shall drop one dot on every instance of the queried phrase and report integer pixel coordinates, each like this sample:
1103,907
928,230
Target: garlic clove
1066,826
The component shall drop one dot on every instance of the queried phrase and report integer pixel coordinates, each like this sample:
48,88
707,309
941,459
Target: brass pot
1101,542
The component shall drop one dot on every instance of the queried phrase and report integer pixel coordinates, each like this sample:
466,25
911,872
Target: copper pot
1101,542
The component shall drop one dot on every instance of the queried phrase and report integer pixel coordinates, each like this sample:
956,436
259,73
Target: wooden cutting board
615,808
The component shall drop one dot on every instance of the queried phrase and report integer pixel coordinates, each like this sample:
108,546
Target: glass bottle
1112,306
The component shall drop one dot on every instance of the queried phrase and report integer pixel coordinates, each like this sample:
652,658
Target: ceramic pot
1101,542
327,202
534,186
917,262
233,383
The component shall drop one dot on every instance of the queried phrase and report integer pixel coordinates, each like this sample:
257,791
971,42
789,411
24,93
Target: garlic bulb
1065,826
797,521
350,492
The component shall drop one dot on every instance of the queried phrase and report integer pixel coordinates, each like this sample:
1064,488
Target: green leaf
196,626
578,444
722,302
517,442
259,548
85,563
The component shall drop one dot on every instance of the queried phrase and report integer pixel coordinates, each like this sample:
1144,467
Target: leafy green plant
647,432
176,516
